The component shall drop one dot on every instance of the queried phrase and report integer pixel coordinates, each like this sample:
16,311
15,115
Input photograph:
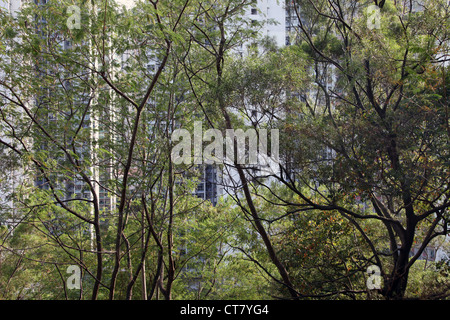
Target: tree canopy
90,97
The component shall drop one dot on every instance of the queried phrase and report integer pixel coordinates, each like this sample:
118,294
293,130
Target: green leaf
10,33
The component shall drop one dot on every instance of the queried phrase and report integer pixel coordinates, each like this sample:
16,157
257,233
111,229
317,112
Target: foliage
87,179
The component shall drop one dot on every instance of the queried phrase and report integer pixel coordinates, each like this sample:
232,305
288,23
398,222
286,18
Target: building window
254,11
288,41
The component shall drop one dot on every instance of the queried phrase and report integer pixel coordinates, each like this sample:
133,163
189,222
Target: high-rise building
68,186
12,176
273,11
208,188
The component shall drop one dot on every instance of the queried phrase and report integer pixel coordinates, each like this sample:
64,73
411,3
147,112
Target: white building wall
12,6
275,13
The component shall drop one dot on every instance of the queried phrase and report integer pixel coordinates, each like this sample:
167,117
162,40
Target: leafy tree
86,120
378,131
90,122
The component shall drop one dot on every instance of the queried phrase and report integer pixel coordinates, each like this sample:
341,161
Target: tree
217,50
90,123
87,116
378,125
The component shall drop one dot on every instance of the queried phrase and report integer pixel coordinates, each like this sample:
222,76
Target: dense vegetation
87,177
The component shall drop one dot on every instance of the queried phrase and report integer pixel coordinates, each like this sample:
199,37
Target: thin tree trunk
171,266
123,196
255,217
144,246
141,267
